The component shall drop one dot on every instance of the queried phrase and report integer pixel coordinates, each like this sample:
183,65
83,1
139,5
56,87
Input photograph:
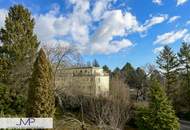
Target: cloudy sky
112,31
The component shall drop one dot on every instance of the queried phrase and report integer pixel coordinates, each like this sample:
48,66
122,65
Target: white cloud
187,38
153,21
114,24
76,27
188,22
111,47
3,14
158,49
81,5
181,2
99,9
170,37
49,26
159,2
173,19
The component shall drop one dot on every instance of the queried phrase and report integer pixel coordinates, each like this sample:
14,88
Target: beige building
84,80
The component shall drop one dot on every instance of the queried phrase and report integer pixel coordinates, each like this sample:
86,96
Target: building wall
87,80
102,85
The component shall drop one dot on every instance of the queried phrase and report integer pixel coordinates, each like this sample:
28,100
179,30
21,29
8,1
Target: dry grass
74,124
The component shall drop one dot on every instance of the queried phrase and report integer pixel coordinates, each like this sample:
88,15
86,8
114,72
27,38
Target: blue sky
112,31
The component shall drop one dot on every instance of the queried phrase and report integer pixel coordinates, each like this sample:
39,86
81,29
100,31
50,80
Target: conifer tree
17,54
41,94
129,75
95,63
141,83
116,73
19,43
184,59
160,115
168,63
106,69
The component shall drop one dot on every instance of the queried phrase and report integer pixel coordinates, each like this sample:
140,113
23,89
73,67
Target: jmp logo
26,121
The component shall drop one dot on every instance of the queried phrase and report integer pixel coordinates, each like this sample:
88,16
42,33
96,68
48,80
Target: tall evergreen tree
168,63
95,63
41,93
17,54
19,44
184,58
141,76
9,103
106,69
160,114
116,73
129,75
141,83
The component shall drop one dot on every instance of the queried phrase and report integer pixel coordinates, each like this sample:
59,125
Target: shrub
160,114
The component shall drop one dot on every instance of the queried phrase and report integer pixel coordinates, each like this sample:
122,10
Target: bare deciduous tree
111,113
61,56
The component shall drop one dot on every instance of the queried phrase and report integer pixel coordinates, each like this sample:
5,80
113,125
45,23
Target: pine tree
41,94
19,43
95,63
129,75
168,63
116,74
9,103
141,77
17,54
141,83
160,115
184,58
106,69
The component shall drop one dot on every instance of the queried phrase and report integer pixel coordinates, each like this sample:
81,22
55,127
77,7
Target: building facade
84,80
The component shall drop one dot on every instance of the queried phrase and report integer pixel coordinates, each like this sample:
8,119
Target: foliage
184,59
95,63
19,42
168,63
10,102
41,95
141,84
116,73
129,75
142,118
106,69
17,36
160,114
17,53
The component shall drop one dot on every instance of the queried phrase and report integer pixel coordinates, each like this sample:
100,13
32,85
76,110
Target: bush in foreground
41,94
160,114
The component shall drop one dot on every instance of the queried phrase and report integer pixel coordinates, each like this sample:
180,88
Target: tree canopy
160,114
41,92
